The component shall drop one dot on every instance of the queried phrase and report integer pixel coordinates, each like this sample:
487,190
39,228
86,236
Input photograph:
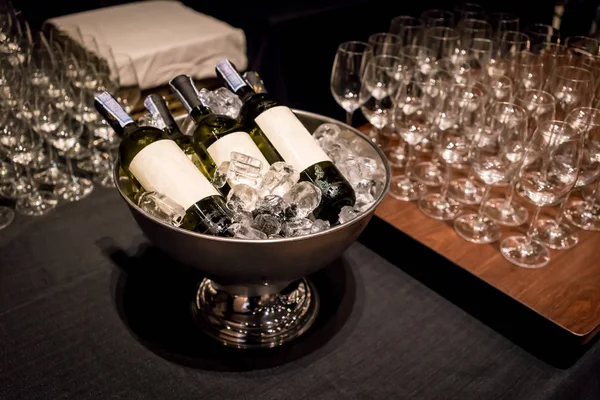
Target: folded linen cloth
162,39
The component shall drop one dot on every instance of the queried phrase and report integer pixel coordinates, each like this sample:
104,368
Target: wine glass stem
561,211
590,201
69,163
480,212
34,189
446,183
408,165
349,118
531,229
51,155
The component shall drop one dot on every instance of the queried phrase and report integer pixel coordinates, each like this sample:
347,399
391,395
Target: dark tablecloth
89,310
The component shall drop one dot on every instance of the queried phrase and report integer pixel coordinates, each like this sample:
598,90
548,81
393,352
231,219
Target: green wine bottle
216,136
158,108
158,164
266,119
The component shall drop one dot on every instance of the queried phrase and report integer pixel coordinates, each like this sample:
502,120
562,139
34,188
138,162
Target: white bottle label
164,168
290,137
240,142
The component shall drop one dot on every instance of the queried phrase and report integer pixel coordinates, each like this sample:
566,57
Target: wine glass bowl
239,269
346,73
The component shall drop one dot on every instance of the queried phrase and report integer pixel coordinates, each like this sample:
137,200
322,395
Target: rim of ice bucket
324,119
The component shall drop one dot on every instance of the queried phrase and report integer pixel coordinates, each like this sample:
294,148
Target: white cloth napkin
162,38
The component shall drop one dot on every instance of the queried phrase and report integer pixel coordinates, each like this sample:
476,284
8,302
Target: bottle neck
114,114
227,72
159,109
186,91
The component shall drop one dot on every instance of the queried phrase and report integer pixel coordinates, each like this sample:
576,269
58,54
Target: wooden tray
565,292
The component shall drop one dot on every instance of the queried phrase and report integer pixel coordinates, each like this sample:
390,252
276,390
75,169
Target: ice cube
297,227
279,179
275,237
327,134
243,169
338,151
271,204
305,196
222,101
242,217
351,169
161,207
319,225
242,198
220,176
255,81
267,223
246,232
347,214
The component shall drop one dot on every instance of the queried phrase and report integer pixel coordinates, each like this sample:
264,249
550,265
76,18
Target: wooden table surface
566,291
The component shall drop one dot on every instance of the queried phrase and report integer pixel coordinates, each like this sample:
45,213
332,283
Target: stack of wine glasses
53,145
467,104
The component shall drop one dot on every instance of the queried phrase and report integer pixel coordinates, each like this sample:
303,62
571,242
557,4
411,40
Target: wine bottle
266,119
158,164
216,136
159,110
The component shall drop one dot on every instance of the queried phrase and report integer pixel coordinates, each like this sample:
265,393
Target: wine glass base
16,189
518,251
7,215
435,206
555,236
39,203
42,162
94,164
405,189
6,172
579,215
105,179
465,191
74,189
255,317
428,173
51,176
512,214
77,152
477,229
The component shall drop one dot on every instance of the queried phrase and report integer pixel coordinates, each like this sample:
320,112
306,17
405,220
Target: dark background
293,46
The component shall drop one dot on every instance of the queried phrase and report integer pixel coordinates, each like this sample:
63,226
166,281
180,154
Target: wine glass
385,44
553,55
22,148
129,93
548,174
495,156
409,29
436,17
467,190
539,105
585,213
460,112
479,55
348,65
380,82
506,211
412,118
442,41
420,60
471,29
503,22
509,47
64,140
540,34
572,87
582,45
554,233
528,71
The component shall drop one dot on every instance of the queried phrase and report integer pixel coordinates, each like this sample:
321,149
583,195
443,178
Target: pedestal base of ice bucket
255,316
